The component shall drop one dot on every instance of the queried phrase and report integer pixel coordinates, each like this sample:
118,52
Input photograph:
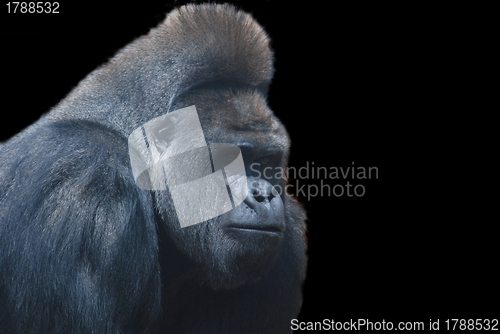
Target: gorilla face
236,247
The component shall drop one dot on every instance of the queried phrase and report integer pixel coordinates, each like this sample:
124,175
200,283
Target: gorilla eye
265,161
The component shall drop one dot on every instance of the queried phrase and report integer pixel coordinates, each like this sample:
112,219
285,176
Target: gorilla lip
267,229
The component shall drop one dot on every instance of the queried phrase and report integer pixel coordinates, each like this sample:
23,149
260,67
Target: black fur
84,250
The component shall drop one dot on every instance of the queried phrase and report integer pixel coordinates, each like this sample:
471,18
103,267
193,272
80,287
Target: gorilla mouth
265,229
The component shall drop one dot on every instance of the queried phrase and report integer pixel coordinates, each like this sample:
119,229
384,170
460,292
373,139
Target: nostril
260,197
263,191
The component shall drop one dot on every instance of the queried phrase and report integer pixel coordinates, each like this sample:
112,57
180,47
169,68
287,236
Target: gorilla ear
216,44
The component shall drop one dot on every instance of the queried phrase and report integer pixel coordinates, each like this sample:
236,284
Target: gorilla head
240,245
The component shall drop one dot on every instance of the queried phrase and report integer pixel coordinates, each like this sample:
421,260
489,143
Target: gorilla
83,249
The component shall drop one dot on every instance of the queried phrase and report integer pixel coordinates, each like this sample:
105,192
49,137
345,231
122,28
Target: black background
350,86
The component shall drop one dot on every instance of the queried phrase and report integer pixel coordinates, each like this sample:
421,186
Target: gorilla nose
260,190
